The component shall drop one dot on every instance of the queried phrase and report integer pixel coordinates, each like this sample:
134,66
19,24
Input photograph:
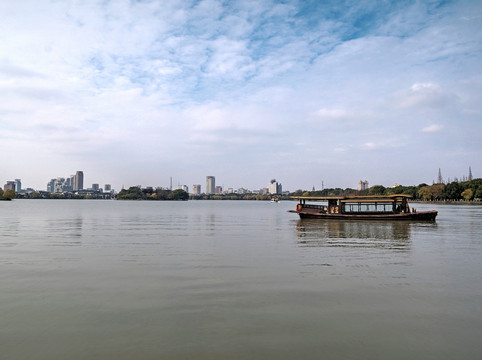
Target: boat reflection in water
393,235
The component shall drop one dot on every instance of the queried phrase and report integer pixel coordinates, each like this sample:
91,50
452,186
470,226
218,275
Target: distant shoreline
447,202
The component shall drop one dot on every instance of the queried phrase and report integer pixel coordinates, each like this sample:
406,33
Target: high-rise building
210,184
50,186
107,187
10,185
274,187
362,185
184,187
218,190
18,185
68,184
78,181
95,187
71,182
59,185
196,189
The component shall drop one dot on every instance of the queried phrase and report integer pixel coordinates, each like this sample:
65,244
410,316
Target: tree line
454,191
235,196
136,193
56,196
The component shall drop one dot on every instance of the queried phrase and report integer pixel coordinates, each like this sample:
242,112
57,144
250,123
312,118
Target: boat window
367,207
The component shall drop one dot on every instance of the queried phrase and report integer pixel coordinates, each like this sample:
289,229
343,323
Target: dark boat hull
421,215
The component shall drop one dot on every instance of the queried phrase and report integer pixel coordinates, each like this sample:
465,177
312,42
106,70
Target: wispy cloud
425,95
433,128
331,114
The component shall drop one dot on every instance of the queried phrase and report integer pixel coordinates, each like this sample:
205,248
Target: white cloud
369,146
331,114
433,128
229,59
425,95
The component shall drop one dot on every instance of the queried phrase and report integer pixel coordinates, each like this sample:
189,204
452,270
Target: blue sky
134,92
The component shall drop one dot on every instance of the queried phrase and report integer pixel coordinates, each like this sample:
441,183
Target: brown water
235,280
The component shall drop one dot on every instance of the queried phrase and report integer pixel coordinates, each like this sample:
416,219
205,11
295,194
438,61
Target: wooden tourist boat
377,207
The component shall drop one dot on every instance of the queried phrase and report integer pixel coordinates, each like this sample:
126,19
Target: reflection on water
64,232
328,233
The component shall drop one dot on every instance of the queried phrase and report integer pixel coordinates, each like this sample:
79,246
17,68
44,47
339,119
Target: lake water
235,280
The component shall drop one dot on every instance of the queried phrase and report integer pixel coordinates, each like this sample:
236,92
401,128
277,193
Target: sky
309,92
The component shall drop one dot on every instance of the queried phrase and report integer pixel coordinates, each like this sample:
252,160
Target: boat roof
356,198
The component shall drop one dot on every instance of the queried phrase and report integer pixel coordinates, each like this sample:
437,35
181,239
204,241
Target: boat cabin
376,204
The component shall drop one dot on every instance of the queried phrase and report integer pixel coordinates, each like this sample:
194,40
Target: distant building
78,181
69,184
95,187
263,191
56,185
196,189
50,186
230,191
10,185
59,184
218,190
210,184
107,187
242,191
362,185
184,187
274,187
18,185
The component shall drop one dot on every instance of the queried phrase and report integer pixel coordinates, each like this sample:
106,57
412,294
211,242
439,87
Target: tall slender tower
210,184
18,185
470,174
79,180
440,179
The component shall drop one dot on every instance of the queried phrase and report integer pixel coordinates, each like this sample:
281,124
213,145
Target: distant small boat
274,200
391,207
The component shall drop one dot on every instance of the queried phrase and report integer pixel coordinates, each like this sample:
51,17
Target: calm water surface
235,280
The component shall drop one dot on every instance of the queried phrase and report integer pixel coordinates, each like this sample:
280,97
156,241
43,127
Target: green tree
178,194
425,193
133,193
437,191
432,192
478,193
377,190
452,191
467,194
9,194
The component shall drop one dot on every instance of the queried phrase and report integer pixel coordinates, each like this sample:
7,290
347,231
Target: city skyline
308,92
70,184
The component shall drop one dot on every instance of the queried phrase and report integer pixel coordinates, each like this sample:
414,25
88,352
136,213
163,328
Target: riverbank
447,202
